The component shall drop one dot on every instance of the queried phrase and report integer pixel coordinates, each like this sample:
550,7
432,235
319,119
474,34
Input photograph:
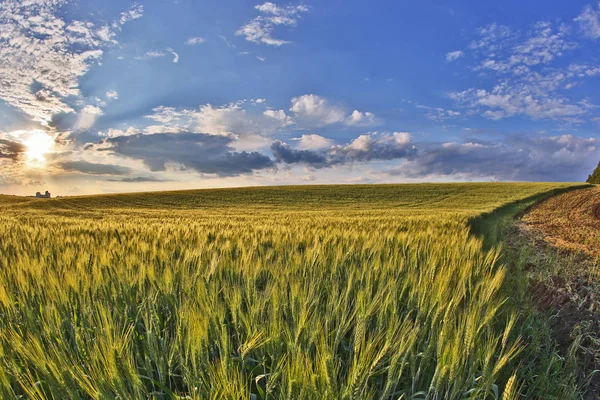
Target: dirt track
568,221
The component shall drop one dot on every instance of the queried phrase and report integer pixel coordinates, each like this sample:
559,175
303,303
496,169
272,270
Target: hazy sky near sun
107,96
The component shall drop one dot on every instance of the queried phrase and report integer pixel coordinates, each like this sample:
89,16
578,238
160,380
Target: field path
562,237
568,221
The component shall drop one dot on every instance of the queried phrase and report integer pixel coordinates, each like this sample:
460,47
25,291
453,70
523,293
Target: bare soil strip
569,221
565,231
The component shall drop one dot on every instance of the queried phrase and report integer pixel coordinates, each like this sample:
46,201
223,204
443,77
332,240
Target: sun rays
38,145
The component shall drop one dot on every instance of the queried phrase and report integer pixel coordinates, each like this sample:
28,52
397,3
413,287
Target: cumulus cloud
238,120
313,111
365,148
195,40
207,154
261,28
313,142
233,119
43,56
358,118
589,21
454,55
251,123
278,115
112,95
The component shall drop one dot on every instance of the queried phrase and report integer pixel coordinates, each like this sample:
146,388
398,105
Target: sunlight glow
38,145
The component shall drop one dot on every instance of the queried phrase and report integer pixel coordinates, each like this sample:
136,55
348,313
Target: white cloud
373,146
175,55
589,21
454,55
511,53
232,119
250,123
526,81
135,11
365,142
227,42
492,38
506,101
87,117
439,114
313,142
43,56
195,40
112,95
150,55
358,118
261,28
278,115
118,132
313,111
583,70
543,46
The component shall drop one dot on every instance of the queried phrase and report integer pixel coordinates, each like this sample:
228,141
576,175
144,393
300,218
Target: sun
38,145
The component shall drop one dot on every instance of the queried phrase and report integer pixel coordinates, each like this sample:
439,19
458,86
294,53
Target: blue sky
100,96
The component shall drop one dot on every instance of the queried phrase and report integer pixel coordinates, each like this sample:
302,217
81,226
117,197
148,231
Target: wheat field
315,292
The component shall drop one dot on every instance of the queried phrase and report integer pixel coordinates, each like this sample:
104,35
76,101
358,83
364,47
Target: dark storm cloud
520,158
284,154
209,154
365,148
92,168
11,150
139,179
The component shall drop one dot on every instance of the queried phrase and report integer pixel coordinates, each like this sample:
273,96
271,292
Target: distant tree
595,177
